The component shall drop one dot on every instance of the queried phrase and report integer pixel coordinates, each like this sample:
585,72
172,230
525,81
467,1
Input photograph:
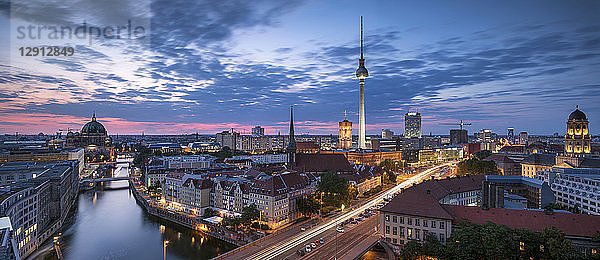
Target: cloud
193,75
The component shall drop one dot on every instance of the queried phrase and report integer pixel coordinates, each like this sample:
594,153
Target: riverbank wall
222,233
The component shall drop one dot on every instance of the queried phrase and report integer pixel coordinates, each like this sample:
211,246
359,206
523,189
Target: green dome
577,115
93,127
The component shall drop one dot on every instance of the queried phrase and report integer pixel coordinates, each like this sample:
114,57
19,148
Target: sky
208,66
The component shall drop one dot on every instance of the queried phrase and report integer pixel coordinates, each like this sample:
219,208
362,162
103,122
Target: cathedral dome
577,115
93,127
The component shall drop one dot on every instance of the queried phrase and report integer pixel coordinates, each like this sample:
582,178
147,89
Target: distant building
345,134
204,147
92,133
392,144
387,134
510,136
369,157
227,139
364,178
427,208
307,147
508,164
166,147
523,138
575,187
537,192
578,150
412,125
536,162
258,131
37,197
459,136
577,139
8,246
279,158
485,136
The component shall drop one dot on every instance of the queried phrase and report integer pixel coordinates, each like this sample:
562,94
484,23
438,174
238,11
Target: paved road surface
282,249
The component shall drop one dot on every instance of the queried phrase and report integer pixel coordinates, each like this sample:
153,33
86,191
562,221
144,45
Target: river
109,224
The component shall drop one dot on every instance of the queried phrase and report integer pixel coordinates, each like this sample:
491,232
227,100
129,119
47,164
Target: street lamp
165,243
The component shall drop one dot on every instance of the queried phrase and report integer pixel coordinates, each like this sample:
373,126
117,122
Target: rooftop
581,225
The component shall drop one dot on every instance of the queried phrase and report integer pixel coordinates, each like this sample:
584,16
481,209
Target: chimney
428,191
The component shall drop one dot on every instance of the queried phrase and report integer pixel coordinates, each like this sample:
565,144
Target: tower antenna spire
361,37
361,73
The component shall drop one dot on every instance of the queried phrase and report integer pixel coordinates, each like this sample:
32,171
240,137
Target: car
303,228
317,243
307,248
313,245
359,219
351,219
300,252
321,240
340,229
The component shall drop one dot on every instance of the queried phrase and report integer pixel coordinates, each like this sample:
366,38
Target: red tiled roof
305,145
323,163
571,224
423,199
499,158
416,202
199,183
441,188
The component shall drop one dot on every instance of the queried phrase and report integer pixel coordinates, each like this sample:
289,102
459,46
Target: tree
308,206
334,188
210,213
230,221
432,247
389,177
411,250
556,246
477,167
389,165
249,214
482,154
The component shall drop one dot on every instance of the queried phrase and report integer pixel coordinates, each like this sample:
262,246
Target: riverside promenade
237,238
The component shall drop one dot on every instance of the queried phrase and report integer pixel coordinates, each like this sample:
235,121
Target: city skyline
482,63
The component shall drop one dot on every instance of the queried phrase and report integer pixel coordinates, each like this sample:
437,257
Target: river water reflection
109,224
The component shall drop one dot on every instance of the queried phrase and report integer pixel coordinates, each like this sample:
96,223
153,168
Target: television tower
361,74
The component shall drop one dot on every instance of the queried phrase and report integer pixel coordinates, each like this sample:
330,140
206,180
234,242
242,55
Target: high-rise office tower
523,138
412,125
459,136
258,131
511,135
485,135
362,74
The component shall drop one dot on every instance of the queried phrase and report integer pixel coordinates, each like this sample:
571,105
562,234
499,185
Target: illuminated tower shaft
362,142
361,74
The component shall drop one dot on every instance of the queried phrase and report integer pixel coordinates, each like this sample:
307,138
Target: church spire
291,148
292,142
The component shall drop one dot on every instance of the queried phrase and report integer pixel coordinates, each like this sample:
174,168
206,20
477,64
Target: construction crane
461,124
